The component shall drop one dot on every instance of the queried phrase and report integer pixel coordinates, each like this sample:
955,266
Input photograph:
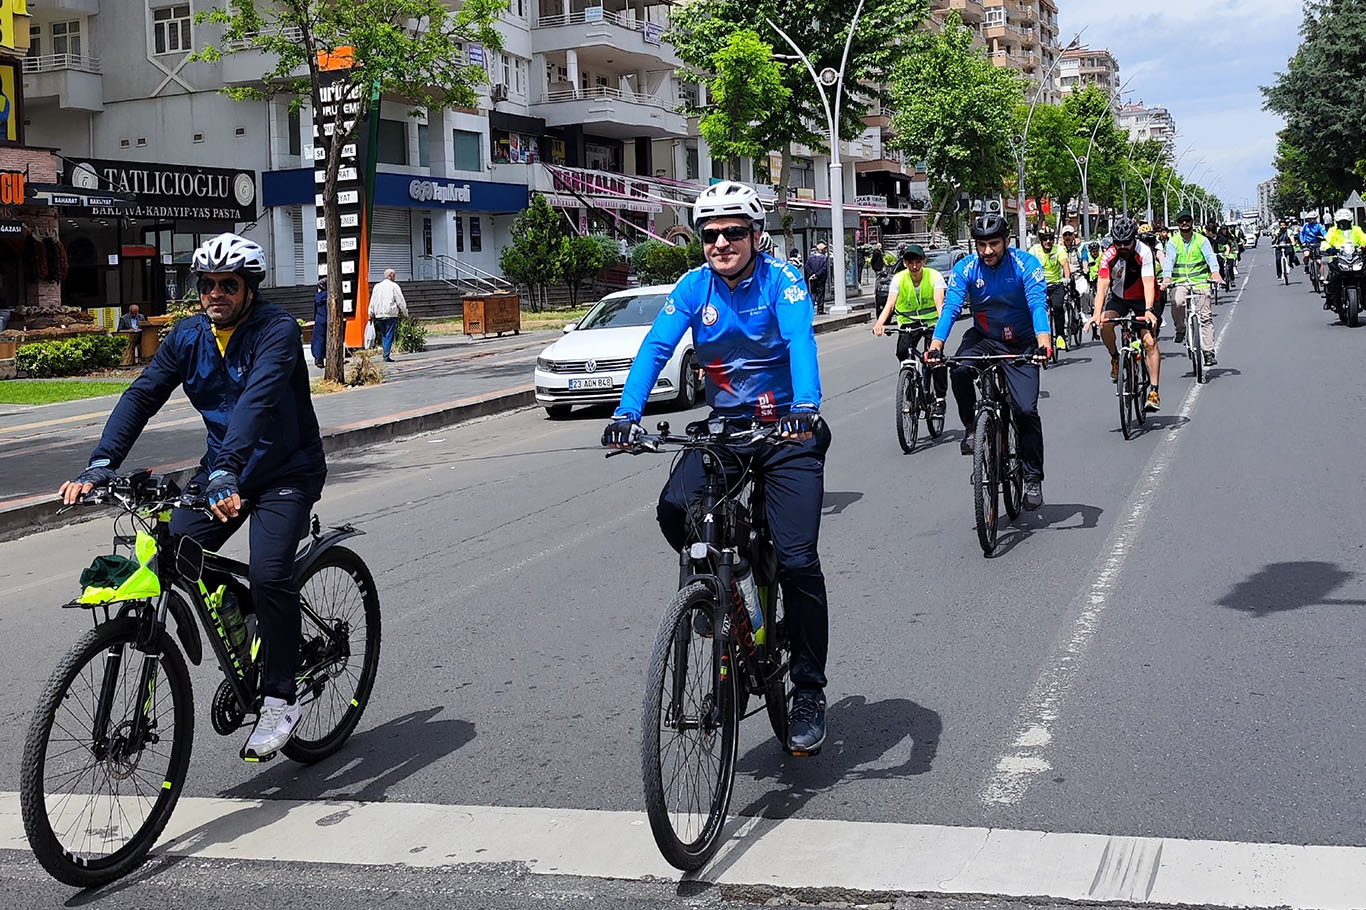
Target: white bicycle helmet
727,199
1342,215
231,253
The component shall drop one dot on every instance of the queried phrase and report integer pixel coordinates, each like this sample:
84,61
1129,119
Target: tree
583,258
819,27
745,85
1050,168
538,242
953,111
409,49
1093,115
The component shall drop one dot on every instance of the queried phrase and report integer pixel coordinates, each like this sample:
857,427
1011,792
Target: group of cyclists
1314,244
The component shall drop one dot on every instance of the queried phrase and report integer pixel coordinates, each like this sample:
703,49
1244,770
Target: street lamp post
1166,219
1020,220
830,78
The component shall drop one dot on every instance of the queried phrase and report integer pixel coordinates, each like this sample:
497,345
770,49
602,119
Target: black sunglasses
229,286
732,233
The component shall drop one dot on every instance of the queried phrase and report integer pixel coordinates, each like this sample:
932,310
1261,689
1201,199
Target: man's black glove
622,432
800,422
222,485
98,474
1041,352
934,356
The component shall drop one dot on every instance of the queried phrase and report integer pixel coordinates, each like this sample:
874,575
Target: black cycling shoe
969,443
806,723
1210,359
938,407
1180,335
1033,494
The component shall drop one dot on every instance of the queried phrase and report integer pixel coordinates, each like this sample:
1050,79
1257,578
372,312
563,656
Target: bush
45,359
411,336
657,262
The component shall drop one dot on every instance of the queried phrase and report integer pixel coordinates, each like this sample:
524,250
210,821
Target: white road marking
789,853
1027,756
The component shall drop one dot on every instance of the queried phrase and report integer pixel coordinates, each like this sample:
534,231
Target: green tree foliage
538,241
657,262
409,49
582,259
819,27
1093,115
745,85
1050,169
1320,95
953,111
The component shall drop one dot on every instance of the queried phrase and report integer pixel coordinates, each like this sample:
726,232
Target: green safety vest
915,303
1052,262
1190,266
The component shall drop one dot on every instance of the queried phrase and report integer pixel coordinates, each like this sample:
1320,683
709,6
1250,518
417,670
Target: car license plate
595,382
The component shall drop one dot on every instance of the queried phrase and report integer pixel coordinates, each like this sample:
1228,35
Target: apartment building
1082,66
1143,122
1266,196
1020,34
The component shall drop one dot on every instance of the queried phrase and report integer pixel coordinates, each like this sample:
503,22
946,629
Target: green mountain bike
108,747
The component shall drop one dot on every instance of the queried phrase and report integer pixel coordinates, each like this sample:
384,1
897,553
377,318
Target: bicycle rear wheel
1012,468
1141,387
930,400
777,698
93,807
340,653
907,410
688,740
1124,383
985,483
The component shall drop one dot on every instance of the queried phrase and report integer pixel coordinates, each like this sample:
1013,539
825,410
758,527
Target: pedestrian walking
817,275
386,305
320,324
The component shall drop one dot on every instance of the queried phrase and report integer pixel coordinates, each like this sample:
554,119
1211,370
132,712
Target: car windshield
940,260
618,312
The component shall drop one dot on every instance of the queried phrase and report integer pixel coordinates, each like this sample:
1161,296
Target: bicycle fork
104,746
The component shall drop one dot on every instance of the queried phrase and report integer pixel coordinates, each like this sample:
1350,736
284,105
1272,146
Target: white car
589,364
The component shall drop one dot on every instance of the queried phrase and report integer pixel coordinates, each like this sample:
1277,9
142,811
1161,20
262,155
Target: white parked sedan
589,364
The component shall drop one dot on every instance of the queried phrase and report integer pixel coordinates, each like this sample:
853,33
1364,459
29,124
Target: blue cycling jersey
755,343
1009,302
1312,234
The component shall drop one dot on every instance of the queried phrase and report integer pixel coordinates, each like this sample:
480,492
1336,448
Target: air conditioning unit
499,92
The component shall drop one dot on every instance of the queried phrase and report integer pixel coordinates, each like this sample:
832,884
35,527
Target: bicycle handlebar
718,432
140,491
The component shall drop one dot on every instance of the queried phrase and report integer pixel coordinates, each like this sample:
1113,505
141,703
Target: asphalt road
1170,648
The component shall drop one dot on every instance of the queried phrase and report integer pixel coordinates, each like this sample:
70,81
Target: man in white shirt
386,305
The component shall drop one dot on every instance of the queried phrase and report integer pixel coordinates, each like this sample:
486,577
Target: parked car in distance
589,364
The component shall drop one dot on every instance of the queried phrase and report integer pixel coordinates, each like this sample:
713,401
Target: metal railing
464,277
618,19
51,63
606,91
292,32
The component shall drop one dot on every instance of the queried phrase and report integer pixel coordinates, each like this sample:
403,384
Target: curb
37,513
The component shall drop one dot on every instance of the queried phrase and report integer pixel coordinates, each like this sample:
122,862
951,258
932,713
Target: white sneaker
274,727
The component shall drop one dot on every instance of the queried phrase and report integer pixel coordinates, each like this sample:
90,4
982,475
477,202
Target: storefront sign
873,201
341,104
11,100
476,54
653,33
13,188
167,190
438,191
9,227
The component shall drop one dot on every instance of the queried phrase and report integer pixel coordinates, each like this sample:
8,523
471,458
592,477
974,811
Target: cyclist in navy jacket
241,365
1009,298
750,317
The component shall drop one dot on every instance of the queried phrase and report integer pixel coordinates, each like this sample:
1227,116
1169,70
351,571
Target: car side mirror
569,327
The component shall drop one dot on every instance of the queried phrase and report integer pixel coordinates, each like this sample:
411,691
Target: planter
307,330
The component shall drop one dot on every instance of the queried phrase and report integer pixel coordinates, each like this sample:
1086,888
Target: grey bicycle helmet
231,253
988,226
1124,230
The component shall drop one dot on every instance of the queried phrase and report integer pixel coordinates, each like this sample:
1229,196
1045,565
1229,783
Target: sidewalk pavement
40,446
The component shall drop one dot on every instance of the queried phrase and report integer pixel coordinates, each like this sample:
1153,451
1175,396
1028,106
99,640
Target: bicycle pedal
252,758
812,753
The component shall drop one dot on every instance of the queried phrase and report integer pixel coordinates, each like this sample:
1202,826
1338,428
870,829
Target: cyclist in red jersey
1127,286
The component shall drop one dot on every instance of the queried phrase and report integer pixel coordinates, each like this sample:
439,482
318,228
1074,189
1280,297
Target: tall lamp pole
1166,215
1084,163
831,78
1021,227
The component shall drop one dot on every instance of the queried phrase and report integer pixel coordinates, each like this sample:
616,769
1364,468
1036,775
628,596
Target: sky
1204,61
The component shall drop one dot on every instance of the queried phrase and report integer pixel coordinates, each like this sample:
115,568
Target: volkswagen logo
591,366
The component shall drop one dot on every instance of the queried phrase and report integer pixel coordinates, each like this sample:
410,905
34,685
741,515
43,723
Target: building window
294,128
35,41
171,29
519,76
465,146
691,167
476,235
66,38
393,142
424,151
459,234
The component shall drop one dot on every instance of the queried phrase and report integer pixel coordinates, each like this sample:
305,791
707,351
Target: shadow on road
835,503
868,741
1068,361
1283,586
1064,516
1216,372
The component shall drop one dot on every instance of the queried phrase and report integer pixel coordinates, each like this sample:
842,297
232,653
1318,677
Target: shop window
459,234
476,235
555,151
514,148
424,151
171,29
35,41
294,128
393,142
66,37
465,146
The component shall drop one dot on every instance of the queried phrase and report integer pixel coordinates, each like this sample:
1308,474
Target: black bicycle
997,471
915,398
1133,381
708,658
1074,317
1313,267
108,747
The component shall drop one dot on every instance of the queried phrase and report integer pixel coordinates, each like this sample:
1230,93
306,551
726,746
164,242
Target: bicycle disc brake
227,716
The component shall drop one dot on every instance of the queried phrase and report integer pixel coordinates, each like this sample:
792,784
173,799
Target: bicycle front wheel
688,741
340,653
95,801
907,410
985,483
1012,468
1124,386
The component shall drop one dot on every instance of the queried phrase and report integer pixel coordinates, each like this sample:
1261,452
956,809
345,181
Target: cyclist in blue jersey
1009,298
750,316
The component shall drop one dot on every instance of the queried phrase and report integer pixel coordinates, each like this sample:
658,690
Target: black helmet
988,226
1148,237
1124,230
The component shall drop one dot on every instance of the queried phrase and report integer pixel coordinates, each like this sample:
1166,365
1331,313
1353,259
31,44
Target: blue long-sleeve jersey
1009,302
1312,234
755,343
254,399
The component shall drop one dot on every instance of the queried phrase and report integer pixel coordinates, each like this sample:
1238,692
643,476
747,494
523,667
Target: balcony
72,81
244,65
611,112
636,41
52,8
970,11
